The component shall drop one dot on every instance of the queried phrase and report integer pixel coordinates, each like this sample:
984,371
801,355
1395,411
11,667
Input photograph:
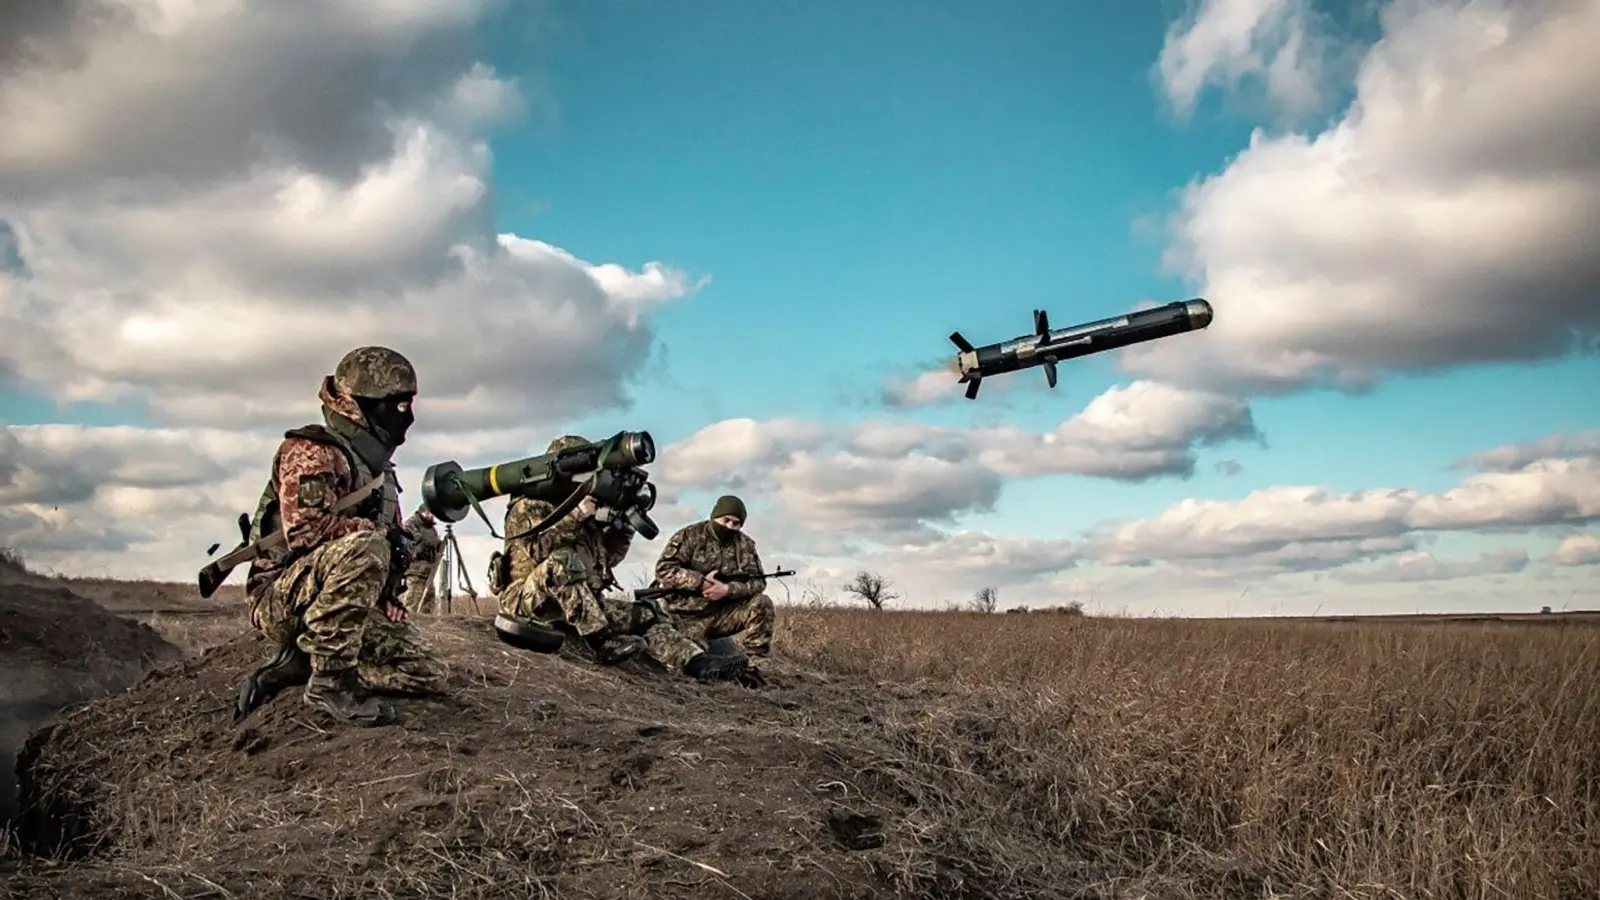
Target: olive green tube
548,476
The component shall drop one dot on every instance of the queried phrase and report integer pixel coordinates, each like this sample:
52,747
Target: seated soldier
559,575
715,566
426,547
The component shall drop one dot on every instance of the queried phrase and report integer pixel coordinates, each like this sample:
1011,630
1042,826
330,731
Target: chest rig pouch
381,508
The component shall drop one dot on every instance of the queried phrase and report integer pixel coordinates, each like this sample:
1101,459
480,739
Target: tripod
451,565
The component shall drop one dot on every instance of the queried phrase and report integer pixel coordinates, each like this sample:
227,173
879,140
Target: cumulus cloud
1516,457
1545,493
1425,566
1132,432
1448,217
139,501
1577,550
898,478
1282,45
287,181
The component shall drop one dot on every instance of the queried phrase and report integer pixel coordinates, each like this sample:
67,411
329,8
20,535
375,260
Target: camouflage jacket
601,549
694,551
425,546
311,470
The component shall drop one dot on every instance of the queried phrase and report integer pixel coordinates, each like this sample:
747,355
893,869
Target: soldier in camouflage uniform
425,548
560,575
328,598
715,563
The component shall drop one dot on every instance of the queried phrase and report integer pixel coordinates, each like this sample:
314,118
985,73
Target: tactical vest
382,508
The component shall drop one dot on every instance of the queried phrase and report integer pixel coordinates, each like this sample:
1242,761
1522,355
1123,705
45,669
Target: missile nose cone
1200,314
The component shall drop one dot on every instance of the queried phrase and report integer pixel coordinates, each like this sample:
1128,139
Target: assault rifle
651,597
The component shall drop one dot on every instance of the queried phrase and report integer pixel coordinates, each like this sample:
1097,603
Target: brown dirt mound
534,776
58,648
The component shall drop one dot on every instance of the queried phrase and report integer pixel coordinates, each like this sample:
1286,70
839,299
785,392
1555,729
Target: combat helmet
375,373
565,442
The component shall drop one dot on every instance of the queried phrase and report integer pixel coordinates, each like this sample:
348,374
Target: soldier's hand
394,612
713,589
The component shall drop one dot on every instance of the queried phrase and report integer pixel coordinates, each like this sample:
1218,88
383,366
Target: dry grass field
1307,759
991,756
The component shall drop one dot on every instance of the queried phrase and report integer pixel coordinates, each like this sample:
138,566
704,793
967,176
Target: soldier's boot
343,696
613,649
287,667
708,667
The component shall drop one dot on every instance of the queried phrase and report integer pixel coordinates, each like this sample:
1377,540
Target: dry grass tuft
12,560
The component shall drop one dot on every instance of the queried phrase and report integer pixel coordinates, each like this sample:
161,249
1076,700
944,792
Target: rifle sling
278,538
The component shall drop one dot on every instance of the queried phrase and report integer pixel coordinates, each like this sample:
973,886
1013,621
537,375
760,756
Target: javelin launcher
610,470
1046,347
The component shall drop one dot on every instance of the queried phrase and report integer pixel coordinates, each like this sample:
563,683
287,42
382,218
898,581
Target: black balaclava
387,421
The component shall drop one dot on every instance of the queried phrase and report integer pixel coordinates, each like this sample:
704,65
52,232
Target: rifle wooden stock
218,570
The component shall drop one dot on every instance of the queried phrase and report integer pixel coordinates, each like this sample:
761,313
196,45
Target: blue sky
856,181
859,185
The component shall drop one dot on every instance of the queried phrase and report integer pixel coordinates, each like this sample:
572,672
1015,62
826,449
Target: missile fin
961,343
972,388
1050,370
1041,322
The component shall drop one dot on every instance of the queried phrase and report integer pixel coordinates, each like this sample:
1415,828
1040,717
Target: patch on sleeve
313,492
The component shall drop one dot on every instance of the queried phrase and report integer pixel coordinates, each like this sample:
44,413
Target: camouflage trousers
328,603
558,590
751,619
421,595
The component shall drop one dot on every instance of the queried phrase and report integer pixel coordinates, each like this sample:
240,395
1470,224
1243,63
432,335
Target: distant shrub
871,588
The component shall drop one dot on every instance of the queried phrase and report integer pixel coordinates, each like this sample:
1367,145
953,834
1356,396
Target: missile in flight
1046,348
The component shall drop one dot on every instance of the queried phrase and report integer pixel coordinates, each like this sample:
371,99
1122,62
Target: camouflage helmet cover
375,372
565,442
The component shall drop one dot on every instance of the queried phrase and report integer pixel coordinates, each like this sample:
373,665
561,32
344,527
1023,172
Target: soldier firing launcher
609,470
1046,348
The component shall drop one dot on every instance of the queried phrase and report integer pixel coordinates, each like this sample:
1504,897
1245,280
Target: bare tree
986,600
872,588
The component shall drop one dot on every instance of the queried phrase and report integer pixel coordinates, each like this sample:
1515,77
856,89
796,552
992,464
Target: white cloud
1134,432
1424,566
288,181
147,502
1516,457
130,501
897,478
1283,44
718,452
1447,218
1577,550
1548,492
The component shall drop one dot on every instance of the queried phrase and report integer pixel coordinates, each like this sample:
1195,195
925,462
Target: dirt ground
58,648
908,755
534,776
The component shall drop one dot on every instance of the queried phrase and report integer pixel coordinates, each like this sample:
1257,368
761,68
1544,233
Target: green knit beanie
728,505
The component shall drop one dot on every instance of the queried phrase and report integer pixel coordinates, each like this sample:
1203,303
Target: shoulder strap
321,435
212,575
